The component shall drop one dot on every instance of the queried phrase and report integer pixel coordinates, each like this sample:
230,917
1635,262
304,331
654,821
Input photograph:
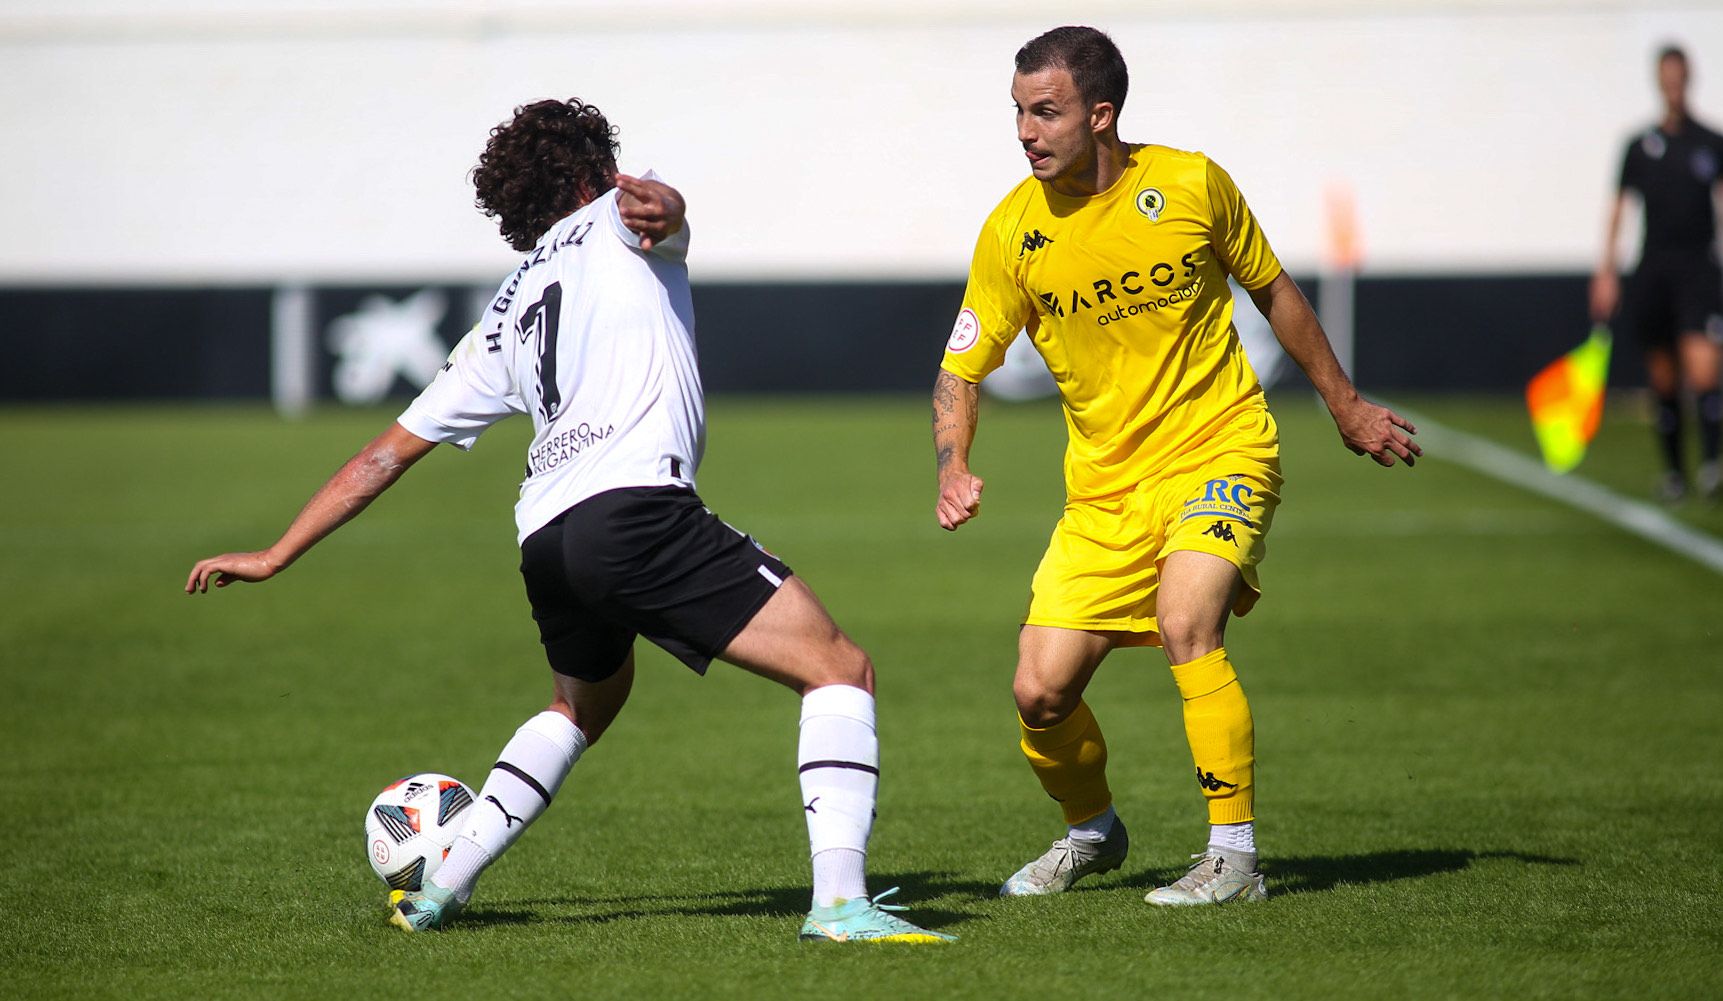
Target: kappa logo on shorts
1222,531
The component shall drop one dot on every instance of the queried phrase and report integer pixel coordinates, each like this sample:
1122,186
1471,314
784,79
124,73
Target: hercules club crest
1150,202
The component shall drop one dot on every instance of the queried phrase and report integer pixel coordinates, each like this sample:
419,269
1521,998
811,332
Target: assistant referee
1674,298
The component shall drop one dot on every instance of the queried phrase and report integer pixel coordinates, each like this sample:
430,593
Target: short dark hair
1672,51
550,159
1093,61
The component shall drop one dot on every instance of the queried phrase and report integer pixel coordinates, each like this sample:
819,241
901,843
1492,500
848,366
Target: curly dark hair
550,159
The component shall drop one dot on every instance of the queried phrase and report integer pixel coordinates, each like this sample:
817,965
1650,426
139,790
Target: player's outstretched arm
349,491
1365,428
652,210
955,407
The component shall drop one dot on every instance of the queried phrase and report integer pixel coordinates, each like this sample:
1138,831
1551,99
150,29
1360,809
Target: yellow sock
1221,735
1070,759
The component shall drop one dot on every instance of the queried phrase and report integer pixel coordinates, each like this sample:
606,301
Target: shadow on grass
779,902
1297,874
1314,874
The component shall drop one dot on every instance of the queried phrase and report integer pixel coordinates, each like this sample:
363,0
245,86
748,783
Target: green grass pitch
1489,731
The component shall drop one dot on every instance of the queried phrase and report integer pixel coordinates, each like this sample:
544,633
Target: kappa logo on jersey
1150,202
1131,283
1033,242
1222,531
383,340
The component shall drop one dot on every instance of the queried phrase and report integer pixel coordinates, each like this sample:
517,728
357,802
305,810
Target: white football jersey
594,338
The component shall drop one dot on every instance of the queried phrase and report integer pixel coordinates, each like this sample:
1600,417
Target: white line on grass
1307,524
1515,469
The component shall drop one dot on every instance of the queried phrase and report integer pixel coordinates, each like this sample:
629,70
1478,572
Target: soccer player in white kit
593,338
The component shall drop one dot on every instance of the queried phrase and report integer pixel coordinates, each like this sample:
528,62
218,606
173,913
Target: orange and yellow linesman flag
1566,401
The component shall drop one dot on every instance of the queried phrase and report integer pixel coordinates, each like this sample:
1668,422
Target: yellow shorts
1103,564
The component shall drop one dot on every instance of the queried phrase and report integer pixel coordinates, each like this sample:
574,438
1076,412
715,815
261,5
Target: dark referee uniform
1677,287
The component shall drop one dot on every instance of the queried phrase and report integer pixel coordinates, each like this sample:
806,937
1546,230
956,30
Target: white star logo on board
383,339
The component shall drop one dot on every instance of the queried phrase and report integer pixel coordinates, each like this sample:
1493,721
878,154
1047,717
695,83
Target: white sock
1096,828
527,775
838,760
1235,841
839,874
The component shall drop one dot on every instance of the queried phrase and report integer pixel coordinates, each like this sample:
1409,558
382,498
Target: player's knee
1041,705
844,663
854,666
864,672
1186,637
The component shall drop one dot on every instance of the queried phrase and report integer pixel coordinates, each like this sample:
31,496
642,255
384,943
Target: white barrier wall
227,141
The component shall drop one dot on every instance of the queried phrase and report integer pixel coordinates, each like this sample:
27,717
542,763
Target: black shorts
1672,294
649,561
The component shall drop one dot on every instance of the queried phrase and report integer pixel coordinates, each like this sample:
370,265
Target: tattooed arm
358,483
954,413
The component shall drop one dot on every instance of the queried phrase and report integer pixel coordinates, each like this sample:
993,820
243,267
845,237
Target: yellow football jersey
1125,295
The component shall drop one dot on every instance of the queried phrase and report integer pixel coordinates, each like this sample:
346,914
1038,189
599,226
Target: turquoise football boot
427,909
864,920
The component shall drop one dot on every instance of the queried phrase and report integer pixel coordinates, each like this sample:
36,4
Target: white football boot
1212,880
1069,860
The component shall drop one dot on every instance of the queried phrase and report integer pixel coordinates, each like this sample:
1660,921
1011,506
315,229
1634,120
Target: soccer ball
411,825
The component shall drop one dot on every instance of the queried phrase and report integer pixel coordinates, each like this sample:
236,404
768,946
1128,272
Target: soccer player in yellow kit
1114,258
